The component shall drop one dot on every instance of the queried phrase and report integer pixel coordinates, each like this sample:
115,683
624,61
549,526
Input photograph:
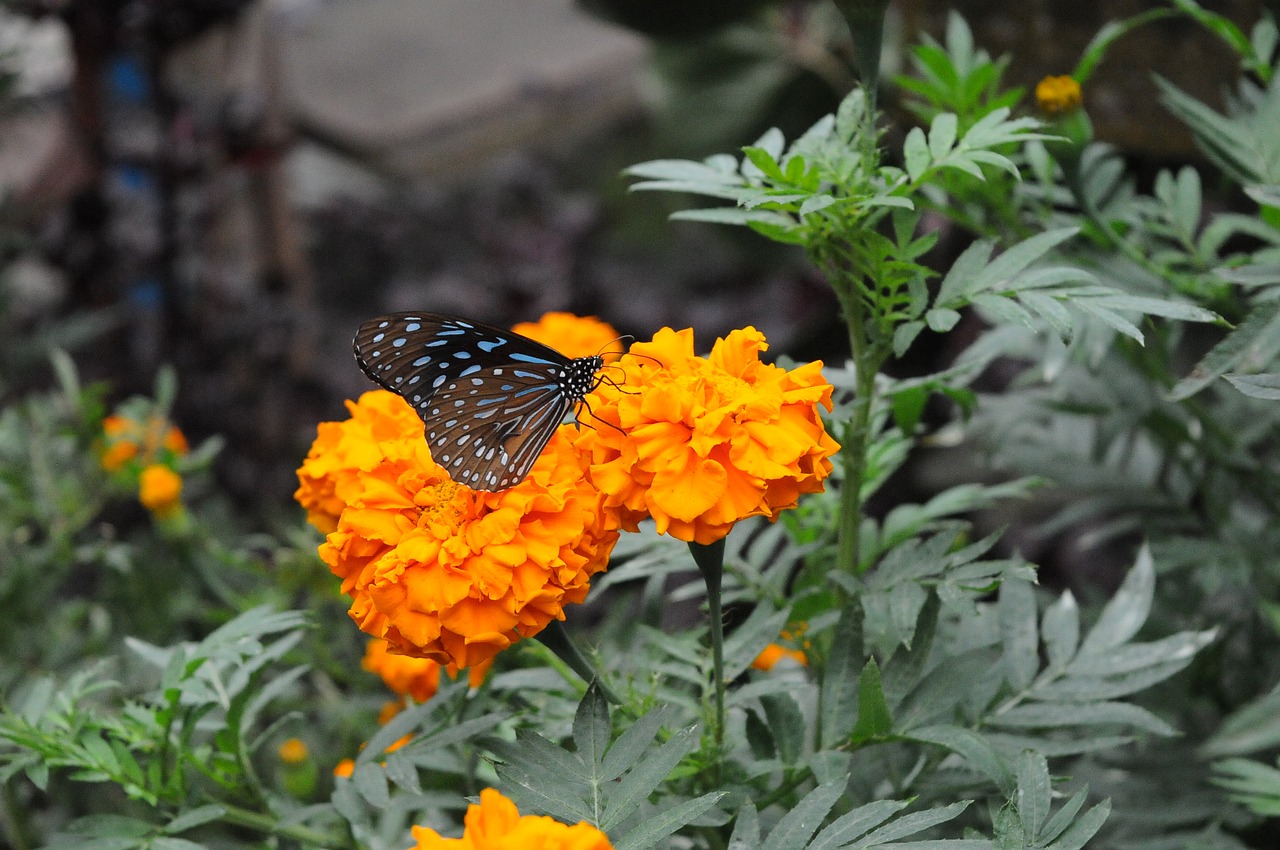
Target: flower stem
555,638
710,560
271,826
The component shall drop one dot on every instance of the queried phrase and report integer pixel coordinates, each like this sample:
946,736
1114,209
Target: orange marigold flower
709,441
413,677
345,768
160,490
124,439
1057,95
496,824
293,751
341,449
773,653
574,336
455,575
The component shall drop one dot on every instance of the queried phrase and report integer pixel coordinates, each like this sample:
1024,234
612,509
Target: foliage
951,697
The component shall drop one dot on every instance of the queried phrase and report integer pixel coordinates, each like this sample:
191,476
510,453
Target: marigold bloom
125,438
160,490
496,824
292,751
774,652
1057,95
455,575
341,449
709,441
413,677
574,336
345,768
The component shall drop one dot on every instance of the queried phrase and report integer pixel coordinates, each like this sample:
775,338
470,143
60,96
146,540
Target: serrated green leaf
746,829
1061,630
1080,832
913,823
1017,610
1063,817
786,726
1034,794
194,817
802,821
371,782
657,827
849,827
1127,610
1254,343
631,744
874,718
942,134
1264,386
839,678
591,728
639,782
973,748
1061,715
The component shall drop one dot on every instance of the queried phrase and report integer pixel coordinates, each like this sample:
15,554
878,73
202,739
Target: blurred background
231,186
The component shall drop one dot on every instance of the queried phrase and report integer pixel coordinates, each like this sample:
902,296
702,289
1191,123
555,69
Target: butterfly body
489,399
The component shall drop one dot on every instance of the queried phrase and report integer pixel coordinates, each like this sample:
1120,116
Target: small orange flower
160,490
125,438
773,653
1057,95
293,751
496,824
342,449
444,572
345,768
574,336
709,441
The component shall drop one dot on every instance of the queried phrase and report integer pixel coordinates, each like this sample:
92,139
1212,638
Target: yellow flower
709,441
455,575
496,824
160,490
1057,95
773,653
293,751
341,449
574,336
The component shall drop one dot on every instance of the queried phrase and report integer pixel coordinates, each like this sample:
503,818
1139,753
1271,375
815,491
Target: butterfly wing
490,399
489,428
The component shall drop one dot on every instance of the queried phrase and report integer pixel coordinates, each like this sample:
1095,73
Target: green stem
269,825
555,638
857,438
710,560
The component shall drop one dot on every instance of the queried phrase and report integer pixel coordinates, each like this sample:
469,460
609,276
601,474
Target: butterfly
490,399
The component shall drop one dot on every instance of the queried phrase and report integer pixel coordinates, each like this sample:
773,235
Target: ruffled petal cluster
701,443
496,824
341,449
436,569
418,678
574,336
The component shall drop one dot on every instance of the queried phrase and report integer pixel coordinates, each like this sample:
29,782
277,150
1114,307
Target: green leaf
838,677
1059,715
849,827
1253,344
746,829
1080,832
194,817
1127,610
913,823
1017,610
973,748
656,827
1265,386
641,780
631,744
802,821
786,725
1061,631
915,154
942,134
941,319
591,729
874,719
1034,795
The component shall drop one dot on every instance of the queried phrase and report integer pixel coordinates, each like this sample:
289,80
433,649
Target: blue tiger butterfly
490,399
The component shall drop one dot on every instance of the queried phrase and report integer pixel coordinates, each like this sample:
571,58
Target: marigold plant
710,441
496,824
